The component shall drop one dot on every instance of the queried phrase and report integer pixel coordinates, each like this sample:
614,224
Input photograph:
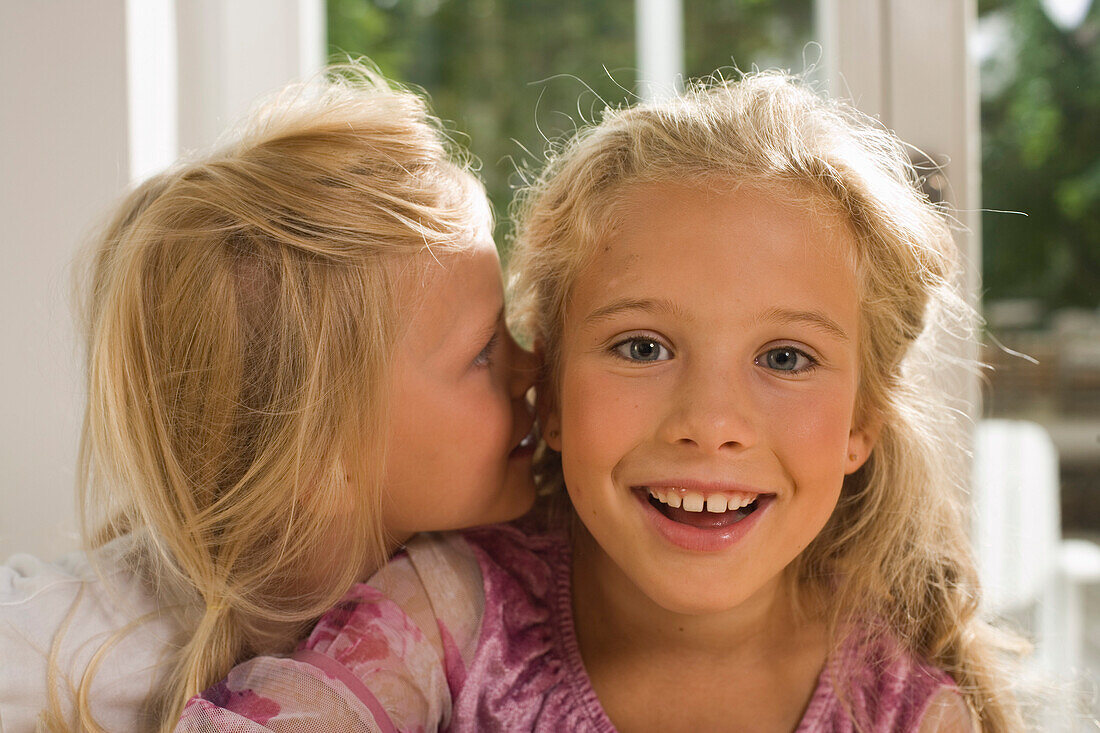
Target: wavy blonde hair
895,549
241,309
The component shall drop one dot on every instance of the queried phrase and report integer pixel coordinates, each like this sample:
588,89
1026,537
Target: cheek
487,417
812,431
600,416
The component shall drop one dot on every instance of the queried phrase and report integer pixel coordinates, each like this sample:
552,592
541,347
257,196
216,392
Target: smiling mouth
703,512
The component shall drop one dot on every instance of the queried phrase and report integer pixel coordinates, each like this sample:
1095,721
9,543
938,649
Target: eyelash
485,356
760,360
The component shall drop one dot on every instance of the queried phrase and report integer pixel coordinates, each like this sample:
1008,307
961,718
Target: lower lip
702,540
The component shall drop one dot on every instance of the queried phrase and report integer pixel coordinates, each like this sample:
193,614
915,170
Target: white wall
232,52
75,129
63,158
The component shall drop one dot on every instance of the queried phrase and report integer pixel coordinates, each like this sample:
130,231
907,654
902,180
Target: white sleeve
65,605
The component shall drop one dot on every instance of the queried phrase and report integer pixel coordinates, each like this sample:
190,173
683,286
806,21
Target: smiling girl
753,522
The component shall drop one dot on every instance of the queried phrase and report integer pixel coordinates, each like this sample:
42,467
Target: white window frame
907,64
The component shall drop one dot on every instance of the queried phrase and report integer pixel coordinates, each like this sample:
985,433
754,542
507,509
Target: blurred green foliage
514,74
743,33
509,74
1041,155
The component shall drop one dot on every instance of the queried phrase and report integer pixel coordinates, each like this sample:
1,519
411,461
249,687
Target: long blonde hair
240,313
895,550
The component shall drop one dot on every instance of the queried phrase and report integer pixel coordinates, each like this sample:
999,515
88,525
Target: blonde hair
241,310
895,551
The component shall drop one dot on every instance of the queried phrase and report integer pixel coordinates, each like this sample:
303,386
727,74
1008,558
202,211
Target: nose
710,411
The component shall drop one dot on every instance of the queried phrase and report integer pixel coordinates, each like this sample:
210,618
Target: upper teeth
694,502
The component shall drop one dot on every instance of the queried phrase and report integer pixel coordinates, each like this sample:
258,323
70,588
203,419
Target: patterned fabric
73,609
474,632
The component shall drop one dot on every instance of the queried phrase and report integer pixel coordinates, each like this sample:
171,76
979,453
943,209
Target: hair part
240,313
895,550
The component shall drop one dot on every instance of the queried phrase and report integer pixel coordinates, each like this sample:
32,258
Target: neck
613,615
751,667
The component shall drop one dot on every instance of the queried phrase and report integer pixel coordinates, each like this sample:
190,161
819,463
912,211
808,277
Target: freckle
681,629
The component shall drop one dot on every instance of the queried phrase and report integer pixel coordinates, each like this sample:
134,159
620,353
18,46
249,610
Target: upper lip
701,486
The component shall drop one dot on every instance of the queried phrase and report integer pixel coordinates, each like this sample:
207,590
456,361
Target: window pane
767,33
1040,87
508,74
513,74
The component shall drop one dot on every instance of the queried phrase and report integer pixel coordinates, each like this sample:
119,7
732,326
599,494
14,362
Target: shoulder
407,634
87,593
398,649
28,582
888,684
528,550
386,657
434,593
63,614
431,593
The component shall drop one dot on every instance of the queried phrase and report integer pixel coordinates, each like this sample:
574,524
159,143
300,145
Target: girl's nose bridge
711,410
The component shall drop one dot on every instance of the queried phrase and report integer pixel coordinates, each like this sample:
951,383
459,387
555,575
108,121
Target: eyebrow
813,319
658,306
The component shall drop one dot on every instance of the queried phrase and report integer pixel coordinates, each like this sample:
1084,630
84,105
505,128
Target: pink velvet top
474,632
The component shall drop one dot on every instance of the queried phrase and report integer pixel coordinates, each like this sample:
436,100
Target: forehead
451,296
721,246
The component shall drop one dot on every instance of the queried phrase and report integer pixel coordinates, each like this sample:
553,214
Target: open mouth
714,511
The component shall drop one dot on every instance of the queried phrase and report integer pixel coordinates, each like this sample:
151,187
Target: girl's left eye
485,356
786,359
642,349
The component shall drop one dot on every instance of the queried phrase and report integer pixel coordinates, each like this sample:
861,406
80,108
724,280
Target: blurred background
1001,97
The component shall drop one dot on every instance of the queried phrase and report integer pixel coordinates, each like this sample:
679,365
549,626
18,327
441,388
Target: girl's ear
861,441
545,403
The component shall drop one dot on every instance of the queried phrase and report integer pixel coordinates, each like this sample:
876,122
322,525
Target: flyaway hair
894,556
239,315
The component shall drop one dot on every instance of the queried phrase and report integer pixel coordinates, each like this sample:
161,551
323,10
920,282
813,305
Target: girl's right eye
641,349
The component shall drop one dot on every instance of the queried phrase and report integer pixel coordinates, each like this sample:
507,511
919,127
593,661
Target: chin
697,597
524,503
517,502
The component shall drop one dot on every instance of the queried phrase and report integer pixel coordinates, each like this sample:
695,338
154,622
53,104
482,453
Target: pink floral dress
474,632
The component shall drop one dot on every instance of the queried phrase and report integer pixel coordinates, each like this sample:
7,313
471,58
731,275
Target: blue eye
642,349
786,359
